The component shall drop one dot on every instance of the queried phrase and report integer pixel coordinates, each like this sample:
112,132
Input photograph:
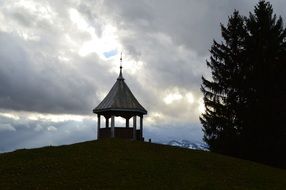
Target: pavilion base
119,132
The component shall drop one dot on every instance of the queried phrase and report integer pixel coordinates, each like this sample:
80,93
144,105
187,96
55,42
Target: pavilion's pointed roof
120,98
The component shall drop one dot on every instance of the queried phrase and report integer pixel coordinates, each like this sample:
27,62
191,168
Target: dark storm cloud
41,86
190,23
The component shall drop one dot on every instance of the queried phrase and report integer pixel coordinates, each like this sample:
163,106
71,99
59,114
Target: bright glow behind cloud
172,97
107,42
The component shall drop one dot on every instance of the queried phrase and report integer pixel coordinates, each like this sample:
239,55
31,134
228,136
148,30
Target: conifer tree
245,100
264,131
221,124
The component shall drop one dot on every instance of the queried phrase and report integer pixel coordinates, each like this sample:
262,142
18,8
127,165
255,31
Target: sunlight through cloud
172,97
190,98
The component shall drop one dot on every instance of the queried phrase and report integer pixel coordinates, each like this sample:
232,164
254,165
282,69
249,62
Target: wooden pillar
98,126
134,127
106,122
112,127
127,122
141,127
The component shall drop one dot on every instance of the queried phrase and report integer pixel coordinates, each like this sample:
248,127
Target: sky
58,60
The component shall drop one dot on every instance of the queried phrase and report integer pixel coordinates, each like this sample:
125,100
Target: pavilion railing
119,132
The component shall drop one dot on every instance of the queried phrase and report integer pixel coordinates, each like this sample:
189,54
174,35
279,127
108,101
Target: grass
122,164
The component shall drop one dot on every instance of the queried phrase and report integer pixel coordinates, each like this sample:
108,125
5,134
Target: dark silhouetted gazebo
120,102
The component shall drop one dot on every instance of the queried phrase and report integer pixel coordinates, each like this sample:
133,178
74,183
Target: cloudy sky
58,59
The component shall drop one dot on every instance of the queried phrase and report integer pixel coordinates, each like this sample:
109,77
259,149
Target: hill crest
122,164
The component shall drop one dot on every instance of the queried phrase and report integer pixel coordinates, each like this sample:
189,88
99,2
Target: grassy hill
121,164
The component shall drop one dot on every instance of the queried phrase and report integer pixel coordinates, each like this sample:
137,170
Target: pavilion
120,102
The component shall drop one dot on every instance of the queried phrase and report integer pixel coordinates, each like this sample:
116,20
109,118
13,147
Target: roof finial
121,60
120,74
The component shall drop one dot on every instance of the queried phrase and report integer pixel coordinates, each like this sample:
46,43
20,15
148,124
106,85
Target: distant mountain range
189,144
